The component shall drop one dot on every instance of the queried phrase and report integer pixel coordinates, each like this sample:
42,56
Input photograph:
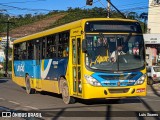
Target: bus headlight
141,80
92,81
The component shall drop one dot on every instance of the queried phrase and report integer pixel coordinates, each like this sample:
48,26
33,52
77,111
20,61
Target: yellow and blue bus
75,60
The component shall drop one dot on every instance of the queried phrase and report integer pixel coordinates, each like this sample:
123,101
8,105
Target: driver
114,54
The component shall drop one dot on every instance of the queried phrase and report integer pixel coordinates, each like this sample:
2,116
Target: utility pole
90,2
7,47
116,8
108,9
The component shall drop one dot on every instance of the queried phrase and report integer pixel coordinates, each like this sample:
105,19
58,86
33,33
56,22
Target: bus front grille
123,90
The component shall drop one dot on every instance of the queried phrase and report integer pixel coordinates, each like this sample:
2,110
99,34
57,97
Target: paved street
14,98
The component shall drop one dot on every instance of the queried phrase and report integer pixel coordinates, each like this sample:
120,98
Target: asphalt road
14,99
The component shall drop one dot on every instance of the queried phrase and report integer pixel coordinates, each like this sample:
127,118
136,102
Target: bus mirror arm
84,46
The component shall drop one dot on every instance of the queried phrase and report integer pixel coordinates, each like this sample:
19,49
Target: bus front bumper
91,92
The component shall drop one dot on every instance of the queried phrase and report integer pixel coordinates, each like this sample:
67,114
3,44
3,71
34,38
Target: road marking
14,102
31,107
2,99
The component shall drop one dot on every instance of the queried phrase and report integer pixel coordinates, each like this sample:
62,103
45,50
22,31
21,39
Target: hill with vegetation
35,27
29,24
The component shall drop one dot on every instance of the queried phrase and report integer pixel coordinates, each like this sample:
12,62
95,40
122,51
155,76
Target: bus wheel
29,90
67,99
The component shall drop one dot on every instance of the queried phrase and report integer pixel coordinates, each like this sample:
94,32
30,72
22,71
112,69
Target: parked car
153,73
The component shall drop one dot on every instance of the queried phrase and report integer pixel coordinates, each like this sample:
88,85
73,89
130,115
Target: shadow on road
150,110
3,81
74,110
83,111
108,101
50,94
155,91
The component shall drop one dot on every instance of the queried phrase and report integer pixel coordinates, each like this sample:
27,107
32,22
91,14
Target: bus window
60,51
23,49
65,51
51,46
63,44
20,51
43,49
74,51
30,49
37,51
16,52
79,49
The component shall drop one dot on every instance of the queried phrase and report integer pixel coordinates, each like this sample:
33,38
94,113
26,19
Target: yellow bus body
88,91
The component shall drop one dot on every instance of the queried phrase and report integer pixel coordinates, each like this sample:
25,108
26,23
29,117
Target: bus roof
66,27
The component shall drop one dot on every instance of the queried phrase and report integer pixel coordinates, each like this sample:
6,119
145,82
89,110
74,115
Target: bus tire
67,99
29,90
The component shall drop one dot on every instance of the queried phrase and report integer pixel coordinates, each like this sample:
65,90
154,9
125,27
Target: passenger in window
23,55
100,42
136,49
65,51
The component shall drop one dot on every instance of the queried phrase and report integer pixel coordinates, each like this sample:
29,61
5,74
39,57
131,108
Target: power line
140,8
101,3
24,8
22,2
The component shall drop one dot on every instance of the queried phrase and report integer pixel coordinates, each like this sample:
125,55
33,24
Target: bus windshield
116,52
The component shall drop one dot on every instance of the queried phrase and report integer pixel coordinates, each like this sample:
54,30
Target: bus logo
20,68
44,71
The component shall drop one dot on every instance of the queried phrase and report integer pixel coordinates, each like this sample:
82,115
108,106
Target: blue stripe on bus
111,80
56,68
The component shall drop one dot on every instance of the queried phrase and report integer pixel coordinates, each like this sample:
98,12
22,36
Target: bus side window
30,49
63,43
65,51
60,51
43,48
51,47
16,53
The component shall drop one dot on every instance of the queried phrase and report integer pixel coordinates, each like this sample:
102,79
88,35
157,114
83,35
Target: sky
21,7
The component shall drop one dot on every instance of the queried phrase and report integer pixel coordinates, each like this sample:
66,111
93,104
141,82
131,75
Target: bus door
76,65
37,53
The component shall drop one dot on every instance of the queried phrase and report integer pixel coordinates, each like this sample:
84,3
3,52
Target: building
2,56
4,42
152,37
154,16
